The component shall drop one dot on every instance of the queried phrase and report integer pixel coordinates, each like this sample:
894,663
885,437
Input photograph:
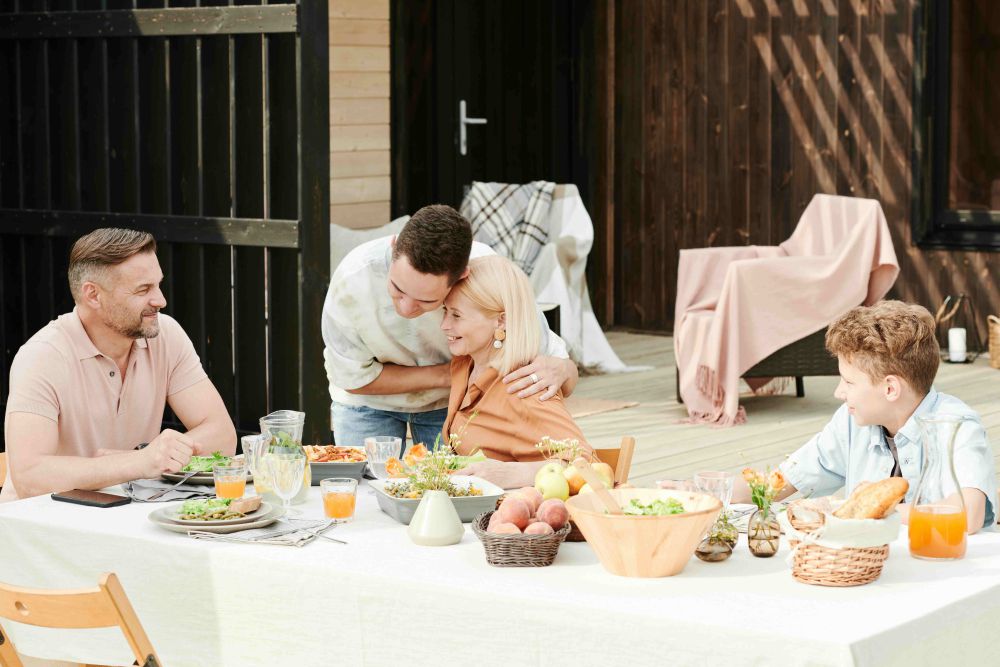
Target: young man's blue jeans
353,423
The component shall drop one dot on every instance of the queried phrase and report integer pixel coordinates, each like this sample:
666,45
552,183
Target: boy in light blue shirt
888,356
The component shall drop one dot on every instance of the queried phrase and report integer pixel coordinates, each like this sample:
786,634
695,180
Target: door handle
464,120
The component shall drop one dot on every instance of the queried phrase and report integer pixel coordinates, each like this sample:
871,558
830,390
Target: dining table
380,599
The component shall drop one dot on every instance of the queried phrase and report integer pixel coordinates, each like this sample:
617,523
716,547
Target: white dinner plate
260,522
171,514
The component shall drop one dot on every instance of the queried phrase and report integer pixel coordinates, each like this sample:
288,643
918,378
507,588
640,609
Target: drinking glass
339,496
716,483
380,449
284,474
231,480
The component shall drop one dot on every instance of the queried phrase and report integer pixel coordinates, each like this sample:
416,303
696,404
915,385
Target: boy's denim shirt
844,454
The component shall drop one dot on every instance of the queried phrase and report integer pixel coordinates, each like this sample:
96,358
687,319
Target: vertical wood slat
94,124
313,206
283,276
188,268
248,147
629,74
216,109
123,128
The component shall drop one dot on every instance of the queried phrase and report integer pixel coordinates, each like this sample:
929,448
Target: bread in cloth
874,500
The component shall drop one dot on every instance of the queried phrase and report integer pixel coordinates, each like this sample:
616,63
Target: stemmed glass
284,475
718,484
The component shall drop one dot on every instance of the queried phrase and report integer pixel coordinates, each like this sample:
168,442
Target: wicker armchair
806,356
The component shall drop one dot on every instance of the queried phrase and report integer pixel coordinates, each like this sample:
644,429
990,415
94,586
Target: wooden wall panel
359,113
730,114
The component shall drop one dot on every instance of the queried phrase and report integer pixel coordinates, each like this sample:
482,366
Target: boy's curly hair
888,338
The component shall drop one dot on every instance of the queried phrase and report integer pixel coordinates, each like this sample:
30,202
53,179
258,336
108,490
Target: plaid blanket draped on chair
512,219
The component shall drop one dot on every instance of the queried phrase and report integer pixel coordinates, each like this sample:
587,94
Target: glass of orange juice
231,480
339,495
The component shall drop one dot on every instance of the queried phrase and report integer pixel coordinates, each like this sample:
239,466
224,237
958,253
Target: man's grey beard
138,331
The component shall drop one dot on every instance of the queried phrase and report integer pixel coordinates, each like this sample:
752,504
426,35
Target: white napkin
140,490
283,535
838,533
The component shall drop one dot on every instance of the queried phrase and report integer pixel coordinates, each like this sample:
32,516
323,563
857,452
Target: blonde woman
491,323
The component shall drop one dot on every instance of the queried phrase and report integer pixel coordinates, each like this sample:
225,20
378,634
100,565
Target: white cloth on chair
559,276
512,219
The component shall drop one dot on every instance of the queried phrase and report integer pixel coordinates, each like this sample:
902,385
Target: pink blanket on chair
738,305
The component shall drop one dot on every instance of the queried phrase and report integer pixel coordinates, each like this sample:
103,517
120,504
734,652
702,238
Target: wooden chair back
102,607
619,458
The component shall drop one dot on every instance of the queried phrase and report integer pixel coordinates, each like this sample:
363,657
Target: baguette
246,505
873,501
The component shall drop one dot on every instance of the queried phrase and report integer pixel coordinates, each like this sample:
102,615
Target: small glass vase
763,533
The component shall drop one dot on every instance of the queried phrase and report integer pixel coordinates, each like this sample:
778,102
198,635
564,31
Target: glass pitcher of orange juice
937,516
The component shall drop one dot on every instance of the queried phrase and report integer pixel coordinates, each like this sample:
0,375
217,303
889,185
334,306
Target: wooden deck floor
776,425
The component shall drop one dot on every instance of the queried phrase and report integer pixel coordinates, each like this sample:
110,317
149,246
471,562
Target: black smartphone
91,498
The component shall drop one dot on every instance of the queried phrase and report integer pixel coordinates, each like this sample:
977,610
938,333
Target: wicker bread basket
823,566
505,550
993,326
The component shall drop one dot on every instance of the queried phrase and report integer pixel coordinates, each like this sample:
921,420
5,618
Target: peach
532,495
539,528
515,510
505,528
494,522
553,512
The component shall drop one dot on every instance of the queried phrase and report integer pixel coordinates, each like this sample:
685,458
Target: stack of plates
168,519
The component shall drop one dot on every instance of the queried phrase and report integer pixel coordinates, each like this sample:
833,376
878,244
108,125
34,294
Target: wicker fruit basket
824,566
504,550
993,325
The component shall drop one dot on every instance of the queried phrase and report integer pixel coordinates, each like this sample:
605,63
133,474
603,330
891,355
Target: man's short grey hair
102,248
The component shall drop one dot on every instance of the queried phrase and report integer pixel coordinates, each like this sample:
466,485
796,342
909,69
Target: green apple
606,474
552,484
551,466
586,488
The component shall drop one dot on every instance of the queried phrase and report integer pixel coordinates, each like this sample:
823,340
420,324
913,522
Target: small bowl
644,546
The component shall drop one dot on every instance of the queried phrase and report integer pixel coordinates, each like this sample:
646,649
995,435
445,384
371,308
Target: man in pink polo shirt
91,386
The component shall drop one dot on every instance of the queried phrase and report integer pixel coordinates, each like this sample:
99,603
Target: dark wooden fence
207,126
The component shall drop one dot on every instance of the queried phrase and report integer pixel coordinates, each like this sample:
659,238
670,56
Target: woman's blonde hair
496,285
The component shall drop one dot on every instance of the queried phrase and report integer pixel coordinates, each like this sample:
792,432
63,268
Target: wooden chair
102,607
619,458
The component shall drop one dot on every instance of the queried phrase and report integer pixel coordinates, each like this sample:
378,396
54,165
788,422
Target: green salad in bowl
658,507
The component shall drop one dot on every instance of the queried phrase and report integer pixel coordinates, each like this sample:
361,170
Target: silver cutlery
160,494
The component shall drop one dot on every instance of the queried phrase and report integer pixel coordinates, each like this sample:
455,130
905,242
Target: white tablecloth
382,600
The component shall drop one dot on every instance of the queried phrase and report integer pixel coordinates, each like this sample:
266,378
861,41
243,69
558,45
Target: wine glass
284,475
718,484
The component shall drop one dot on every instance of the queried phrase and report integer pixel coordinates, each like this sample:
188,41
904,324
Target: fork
160,494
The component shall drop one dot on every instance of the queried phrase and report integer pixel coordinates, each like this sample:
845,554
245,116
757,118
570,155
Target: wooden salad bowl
644,546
